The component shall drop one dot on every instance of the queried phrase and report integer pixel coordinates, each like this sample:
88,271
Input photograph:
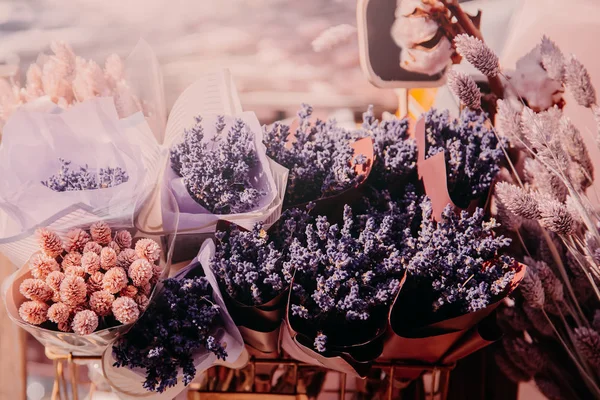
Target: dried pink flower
90,262
579,82
148,249
157,272
59,313
108,258
477,54
123,239
125,310
114,70
113,245
129,291
141,271
95,282
54,280
34,88
73,290
101,233
146,289
85,322
142,301
34,312
115,280
75,271
125,258
49,242
36,289
101,302
89,80
76,239
465,88
65,326
72,259
92,247
41,265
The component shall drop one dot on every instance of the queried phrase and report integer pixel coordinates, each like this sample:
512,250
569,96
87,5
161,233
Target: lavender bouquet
84,179
319,156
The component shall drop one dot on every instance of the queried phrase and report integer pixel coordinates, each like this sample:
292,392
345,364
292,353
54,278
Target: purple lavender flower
219,175
84,179
472,152
458,258
344,274
320,159
174,328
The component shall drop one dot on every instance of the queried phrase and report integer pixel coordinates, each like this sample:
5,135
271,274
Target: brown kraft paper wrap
443,342
354,360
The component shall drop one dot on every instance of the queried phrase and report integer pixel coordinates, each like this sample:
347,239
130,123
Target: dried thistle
34,312
125,310
101,233
478,54
579,82
85,322
76,239
49,242
517,200
465,88
36,289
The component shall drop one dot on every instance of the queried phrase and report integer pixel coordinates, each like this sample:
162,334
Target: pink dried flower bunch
68,79
86,276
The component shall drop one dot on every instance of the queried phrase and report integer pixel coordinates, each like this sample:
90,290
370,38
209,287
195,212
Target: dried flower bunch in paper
219,173
471,150
319,157
176,326
84,179
252,265
68,79
77,285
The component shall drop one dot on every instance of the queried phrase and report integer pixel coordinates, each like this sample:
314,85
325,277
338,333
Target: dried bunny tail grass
49,242
129,291
508,123
101,302
538,320
517,200
85,322
76,270
587,342
526,356
575,147
115,280
512,319
76,239
465,88
116,248
54,279
142,301
36,289
114,70
101,233
42,265
555,217
549,388
148,249
553,288
90,262
72,259
95,282
579,82
141,271
532,289
506,218
123,239
478,54
92,247
126,258
73,290
553,59
510,370
59,313
108,258
34,312
125,310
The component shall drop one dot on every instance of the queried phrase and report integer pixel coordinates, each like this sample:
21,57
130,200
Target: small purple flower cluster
472,152
319,156
458,258
395,150
219,175
343,274
83,179
174,328
250,264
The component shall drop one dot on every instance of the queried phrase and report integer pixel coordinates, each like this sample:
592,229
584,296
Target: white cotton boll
409,31
407,7
427,61
532,83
